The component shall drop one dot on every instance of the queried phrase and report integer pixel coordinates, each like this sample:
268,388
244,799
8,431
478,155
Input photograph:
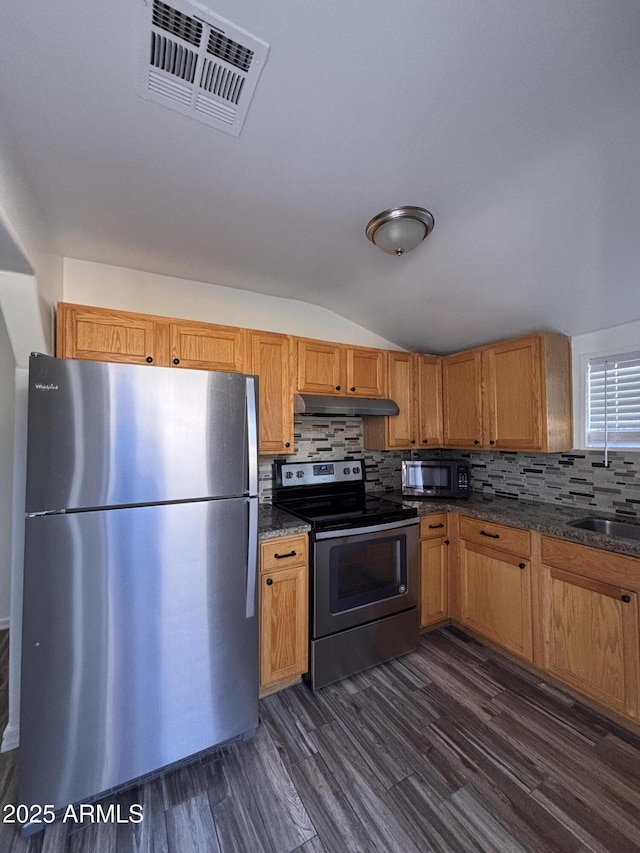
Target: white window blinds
613,401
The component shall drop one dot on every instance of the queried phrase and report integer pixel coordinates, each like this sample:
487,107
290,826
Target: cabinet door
429,370
284,607
103,335
320,367
514,402
401,428
462,399
209,347
591,638
495,597
271,361
434,563
366,372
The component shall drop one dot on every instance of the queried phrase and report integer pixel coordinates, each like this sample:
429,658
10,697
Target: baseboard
10,738
5,623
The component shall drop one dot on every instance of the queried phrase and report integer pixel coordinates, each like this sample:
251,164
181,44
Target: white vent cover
198,63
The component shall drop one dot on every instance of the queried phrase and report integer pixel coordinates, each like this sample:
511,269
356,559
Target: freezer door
104,434
140,643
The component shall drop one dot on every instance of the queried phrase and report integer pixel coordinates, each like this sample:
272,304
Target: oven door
363,574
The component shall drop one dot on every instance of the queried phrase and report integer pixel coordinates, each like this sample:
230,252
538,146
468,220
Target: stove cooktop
346,511
330,495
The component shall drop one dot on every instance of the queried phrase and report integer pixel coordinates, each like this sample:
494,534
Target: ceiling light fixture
400,230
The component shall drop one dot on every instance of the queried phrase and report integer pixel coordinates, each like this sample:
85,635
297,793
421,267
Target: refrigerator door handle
252,558
252,435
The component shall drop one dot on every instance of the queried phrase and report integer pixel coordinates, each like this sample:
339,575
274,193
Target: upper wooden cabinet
271,362
366,372
320,367
462,399
415,384
401,429
101,334
514,395
104,335
326,368
398,431
429,382
207,346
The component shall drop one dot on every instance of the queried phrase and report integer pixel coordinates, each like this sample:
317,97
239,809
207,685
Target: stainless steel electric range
364,564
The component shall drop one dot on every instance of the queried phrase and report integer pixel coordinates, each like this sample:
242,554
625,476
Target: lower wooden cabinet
434,570
284,609
591,627
494,585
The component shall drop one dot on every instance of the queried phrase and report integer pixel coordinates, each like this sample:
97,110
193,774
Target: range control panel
317,473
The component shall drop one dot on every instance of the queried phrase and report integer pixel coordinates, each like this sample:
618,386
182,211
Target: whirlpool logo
41,387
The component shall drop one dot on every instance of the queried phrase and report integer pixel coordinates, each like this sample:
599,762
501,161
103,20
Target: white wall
89,283
612,341
26,229
7,432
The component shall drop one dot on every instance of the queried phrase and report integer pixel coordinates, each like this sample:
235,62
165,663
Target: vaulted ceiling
516,123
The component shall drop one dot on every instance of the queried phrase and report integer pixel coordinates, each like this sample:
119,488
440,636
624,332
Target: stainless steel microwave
436,478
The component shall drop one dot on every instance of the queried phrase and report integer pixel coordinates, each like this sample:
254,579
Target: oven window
365,572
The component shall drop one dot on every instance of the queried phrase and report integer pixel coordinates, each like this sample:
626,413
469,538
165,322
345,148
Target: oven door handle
373,528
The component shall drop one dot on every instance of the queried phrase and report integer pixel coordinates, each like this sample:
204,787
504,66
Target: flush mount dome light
400,230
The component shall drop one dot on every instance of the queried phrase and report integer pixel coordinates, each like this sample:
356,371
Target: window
612,415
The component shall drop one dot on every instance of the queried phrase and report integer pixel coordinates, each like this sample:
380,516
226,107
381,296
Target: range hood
316,404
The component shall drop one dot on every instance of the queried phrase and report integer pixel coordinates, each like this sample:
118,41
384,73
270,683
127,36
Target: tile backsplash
336,438
573,479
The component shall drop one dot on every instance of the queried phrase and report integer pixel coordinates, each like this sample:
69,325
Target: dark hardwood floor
452,748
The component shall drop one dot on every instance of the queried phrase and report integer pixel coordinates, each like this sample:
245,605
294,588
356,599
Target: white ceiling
517,123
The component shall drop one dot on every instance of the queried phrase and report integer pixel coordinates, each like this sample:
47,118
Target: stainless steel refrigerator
140,637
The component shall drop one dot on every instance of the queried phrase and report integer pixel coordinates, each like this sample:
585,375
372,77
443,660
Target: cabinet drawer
592,562
495,535
283,553
433,526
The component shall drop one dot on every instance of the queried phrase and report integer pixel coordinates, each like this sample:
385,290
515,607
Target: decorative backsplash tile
571,479
336,438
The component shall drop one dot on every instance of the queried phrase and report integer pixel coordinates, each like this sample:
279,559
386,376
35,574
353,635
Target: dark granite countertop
276,522
543,517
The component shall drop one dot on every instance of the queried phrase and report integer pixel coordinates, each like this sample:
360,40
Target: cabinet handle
475,441
284,556
269,581
176,361
522,565
490,535
425,441
337,387
149,359
413,441
626,598
287,444
353,388
446,541
492,442
435,526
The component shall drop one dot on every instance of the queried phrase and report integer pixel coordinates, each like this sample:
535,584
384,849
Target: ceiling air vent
198,64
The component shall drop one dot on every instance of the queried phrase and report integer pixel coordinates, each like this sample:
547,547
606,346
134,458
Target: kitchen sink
626,529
